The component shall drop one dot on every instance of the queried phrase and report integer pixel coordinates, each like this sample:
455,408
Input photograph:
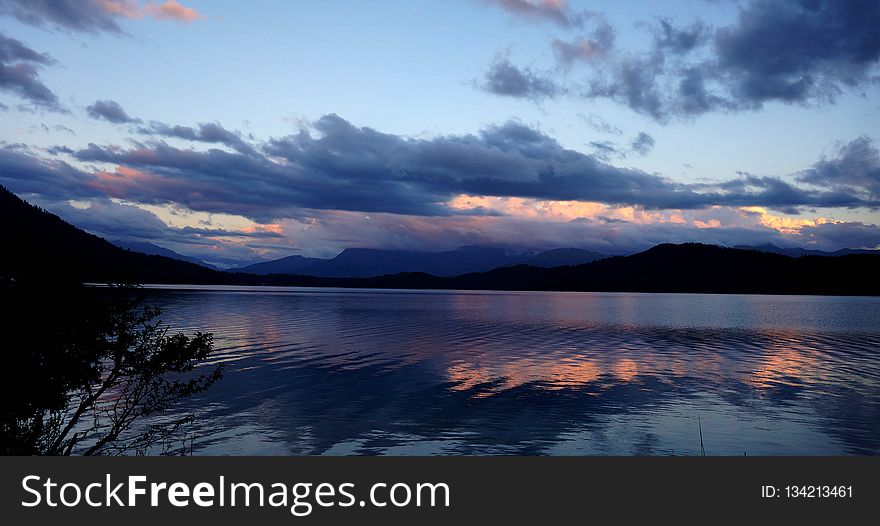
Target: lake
366,372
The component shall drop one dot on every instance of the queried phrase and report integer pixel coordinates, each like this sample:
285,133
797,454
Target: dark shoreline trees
91,371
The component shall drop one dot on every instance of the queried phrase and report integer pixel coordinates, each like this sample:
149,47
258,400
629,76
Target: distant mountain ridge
155,250
688,267
367,262
797,252
41,247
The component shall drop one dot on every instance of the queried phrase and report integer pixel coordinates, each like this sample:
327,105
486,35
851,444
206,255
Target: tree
85,368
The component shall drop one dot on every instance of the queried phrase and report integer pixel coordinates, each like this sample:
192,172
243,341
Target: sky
244,131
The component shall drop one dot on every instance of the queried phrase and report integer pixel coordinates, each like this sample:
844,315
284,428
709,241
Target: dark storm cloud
89,16
798,51
19,74
856,168
110,111
805,52
503,78
642,144
210,132
556,11
339,166
772,192
510,160
833,236
22,171
794,52
343,167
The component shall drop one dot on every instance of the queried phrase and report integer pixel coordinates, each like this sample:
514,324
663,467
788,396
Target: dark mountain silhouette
689,267
286,265
155,250
42,246
693,267
559,257
797,252
367,262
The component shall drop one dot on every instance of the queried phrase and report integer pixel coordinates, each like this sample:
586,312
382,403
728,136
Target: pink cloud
557,11
171,10
168,10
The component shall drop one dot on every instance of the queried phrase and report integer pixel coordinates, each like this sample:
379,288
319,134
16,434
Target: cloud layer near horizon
476,188
336,165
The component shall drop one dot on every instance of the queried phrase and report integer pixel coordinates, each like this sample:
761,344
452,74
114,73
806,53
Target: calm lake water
362,372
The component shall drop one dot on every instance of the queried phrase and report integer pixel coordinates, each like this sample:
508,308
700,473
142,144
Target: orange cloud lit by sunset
785,225
571,210
169,10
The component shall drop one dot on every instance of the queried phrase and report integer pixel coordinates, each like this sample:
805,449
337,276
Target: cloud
681,40
633,82
503,78
599,124
326,233
115,220
23,172
603,149
586,49
642,144
804,52
109,111
335,165
800,51
92,16
171,10
19,74
556,11
834,236
855,169
333,185
211,132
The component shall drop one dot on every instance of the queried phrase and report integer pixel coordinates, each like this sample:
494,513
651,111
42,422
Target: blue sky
422,73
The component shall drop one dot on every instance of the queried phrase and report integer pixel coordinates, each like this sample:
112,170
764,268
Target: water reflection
372,372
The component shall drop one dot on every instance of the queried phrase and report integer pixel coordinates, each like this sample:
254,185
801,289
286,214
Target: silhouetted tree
84,367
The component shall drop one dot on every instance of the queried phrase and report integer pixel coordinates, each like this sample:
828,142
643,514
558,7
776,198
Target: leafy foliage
85,367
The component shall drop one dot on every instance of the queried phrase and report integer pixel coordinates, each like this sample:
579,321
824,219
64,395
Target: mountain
689,267
369,262
361,262
693,267
41,246
287,265
798,252
155,250
559,257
